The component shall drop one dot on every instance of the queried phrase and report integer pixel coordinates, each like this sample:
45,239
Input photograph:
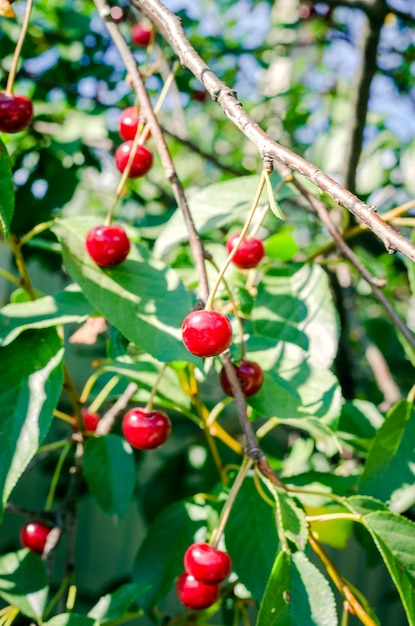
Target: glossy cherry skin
142,161
33,535
146,430
249,254
195,594
91,421
206,333
250,376
129,122
206,563
141,35
16,112
107,245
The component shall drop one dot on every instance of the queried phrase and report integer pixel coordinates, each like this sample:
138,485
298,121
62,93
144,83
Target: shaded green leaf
142,297
6,190
160,557
30,388
114,606
65,307
24,582
70,619
389,473
275,607
252,539
109,470
292,518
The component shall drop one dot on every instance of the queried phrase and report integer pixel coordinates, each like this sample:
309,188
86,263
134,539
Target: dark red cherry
250,376
206,563
107,245
91,420
194,594
142,161
206,333
16,112
141,35
249,253
146,430
33,535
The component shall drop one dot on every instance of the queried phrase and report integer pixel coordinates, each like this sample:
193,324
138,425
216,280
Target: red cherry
194,594
16,112
107,245
200,95
206,563
141,35
91,421
146,430
250,376
206,333
249,253
142,161
33,535
129,122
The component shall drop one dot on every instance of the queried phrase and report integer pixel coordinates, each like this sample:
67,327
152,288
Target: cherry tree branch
170,26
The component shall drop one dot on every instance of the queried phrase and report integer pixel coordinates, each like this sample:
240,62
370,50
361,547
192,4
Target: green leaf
292,518
30,387
274,206
160,557
6,190
294,305
115,606
24,582
297,593
141,297
70,619
281,246
359,423
389,473
109,470
216,206
252,539
65,307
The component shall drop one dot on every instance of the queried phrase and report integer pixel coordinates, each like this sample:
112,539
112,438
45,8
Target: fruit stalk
18,49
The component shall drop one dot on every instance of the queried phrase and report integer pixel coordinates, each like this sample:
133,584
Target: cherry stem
56,475
345,614
224,515
103,394
10,277
149,405
211,298
328,517
39,228
18,49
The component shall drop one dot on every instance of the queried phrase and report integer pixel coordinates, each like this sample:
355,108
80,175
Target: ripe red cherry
129,122
250,376
16,112
142,161
206,333
107,245
91,421
206,563
146,430
141,35
249,253
194,594
33,535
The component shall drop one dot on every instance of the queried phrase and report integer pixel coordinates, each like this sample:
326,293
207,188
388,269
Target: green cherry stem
345,614
57,473
211,298
223,518
18,49
149,405
39,228
10,277
103,394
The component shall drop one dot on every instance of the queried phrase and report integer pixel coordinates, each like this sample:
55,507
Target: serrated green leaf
389,471
30,388
70,619
65,307
359,423
109,470
24,582
252,539
141,297
115,606
160,557
291,518
275,608
6,190
216,206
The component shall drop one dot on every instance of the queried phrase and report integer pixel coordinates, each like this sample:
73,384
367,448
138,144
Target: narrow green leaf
141,297
109,470
24,582
389,472
70,619
65,307
274,206
6,190
30,387
160,557
252,539
275,607
115,606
